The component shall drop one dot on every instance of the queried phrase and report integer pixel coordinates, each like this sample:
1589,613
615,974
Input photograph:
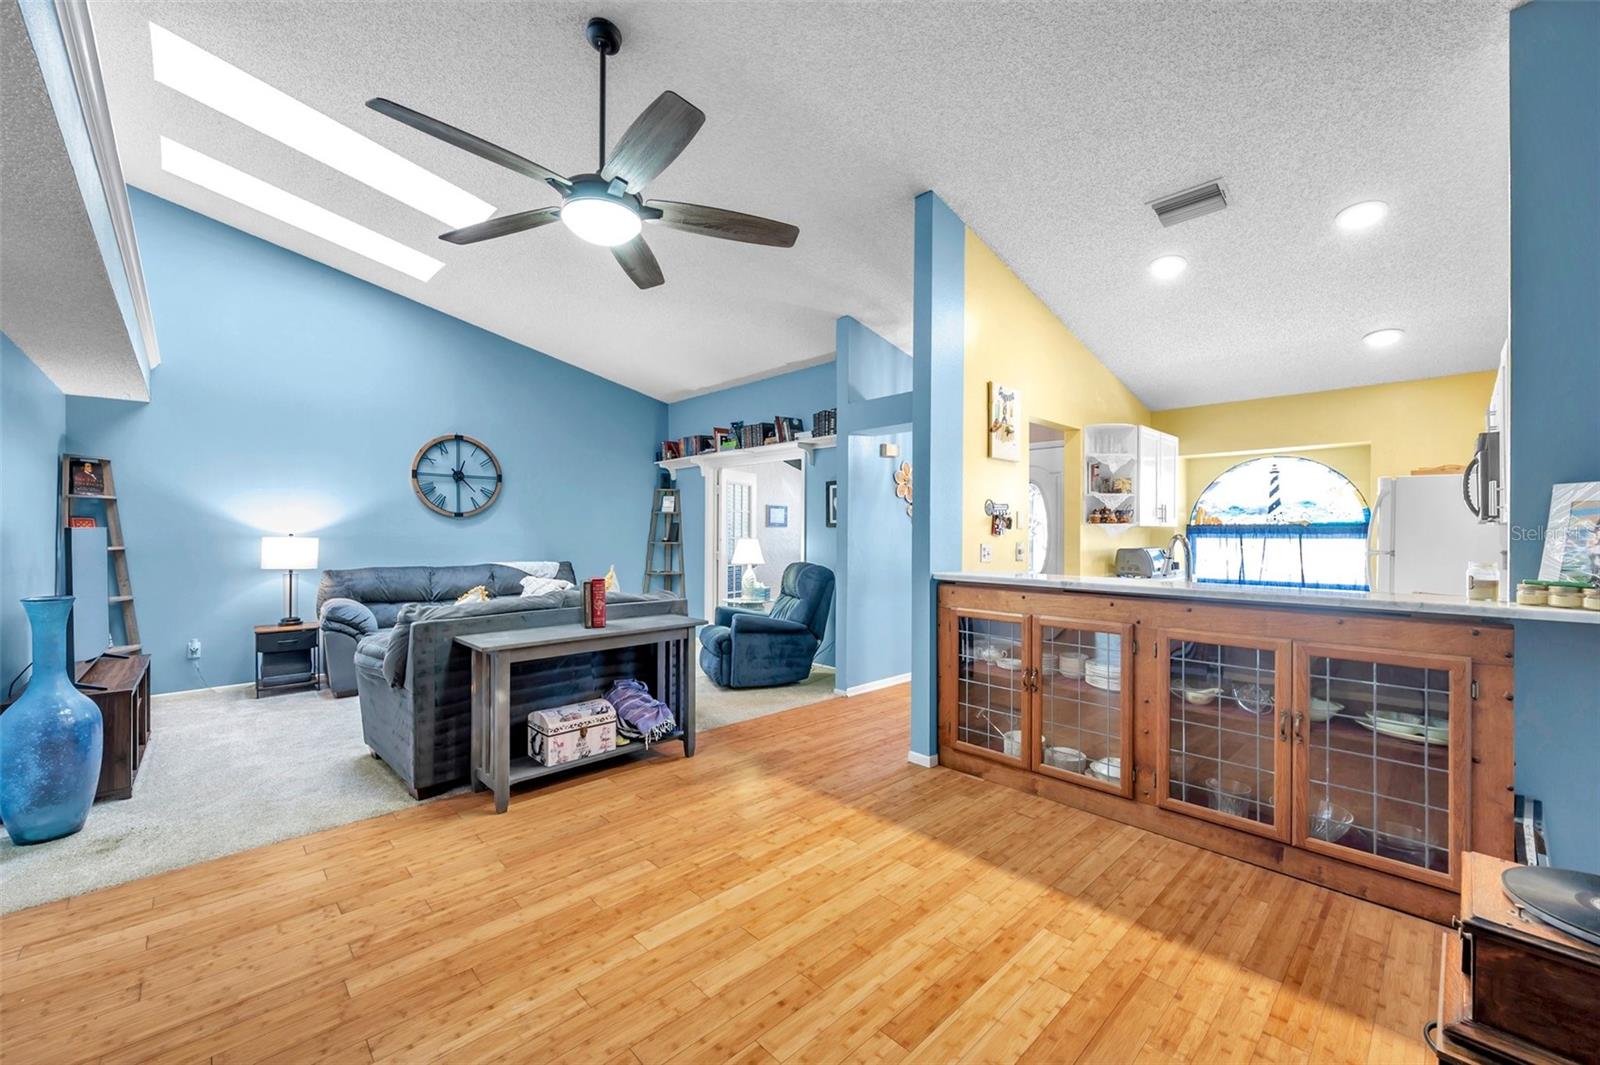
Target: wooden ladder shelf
116,549
663,554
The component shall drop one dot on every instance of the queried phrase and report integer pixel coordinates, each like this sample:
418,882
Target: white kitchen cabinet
1130,476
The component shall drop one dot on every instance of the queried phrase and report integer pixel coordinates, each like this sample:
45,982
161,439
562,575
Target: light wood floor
795,892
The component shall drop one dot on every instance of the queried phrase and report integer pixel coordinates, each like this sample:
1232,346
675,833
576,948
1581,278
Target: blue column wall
1555,396
939,349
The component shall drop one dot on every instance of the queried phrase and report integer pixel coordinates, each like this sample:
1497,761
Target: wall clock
456,476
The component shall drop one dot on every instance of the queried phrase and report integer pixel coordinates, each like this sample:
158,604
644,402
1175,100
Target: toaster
1143,562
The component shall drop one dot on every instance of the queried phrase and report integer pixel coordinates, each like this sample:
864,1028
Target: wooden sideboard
1364,752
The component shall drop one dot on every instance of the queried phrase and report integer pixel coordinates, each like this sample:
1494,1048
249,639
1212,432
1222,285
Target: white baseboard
873,685
926,761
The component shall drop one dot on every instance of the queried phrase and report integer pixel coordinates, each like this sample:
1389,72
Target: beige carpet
226,772
715,707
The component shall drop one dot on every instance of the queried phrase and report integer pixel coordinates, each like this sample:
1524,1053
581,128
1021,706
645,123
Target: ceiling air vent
1190,203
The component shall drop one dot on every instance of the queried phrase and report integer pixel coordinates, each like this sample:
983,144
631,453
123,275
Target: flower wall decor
902,485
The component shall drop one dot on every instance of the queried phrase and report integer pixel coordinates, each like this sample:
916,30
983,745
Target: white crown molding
78,35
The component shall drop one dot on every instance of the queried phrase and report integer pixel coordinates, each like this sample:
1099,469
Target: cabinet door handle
1299,727
1283,726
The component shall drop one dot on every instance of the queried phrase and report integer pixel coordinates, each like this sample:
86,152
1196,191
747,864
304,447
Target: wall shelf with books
743,443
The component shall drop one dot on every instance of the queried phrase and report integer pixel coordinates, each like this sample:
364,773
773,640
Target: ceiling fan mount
604,35
605,207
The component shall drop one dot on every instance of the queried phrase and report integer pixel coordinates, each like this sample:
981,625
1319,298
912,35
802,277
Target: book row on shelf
736,436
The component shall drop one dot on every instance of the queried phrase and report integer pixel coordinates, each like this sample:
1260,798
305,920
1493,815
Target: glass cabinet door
1224,739
987,705
1382,761
1085,687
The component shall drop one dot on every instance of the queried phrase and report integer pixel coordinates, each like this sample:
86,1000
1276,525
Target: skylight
270,200
222,86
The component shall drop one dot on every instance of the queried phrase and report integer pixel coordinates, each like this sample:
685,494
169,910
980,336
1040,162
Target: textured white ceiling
1046,126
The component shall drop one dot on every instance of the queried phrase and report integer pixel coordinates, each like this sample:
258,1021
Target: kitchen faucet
1188,553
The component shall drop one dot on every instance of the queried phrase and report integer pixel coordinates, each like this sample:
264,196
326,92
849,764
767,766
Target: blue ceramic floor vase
50,739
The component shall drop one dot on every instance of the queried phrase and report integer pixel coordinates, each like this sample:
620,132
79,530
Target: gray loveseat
415,682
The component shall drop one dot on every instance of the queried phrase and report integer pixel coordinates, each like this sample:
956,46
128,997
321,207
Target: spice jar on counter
1483,581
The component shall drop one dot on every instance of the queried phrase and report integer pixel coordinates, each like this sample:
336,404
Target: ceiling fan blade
726,225
639,262
502,226
657,136
466,141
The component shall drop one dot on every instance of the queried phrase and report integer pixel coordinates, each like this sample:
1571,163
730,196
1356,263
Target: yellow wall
1365,433
1013,338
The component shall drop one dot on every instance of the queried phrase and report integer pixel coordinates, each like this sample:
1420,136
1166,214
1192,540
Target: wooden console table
123,697
493,765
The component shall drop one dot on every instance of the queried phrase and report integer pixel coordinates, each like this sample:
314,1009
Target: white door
1045,515
736,496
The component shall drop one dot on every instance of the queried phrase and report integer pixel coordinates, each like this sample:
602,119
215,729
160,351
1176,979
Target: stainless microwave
1480,483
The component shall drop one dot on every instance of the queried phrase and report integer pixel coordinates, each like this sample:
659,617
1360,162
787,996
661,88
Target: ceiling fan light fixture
601,220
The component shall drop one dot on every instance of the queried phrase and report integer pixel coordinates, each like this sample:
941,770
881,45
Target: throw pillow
476,594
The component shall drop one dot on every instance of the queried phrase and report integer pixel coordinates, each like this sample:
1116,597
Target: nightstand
287,657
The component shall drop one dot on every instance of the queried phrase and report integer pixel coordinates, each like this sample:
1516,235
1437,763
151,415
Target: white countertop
1374,602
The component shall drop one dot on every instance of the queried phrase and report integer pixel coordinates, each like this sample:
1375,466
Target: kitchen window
1282,521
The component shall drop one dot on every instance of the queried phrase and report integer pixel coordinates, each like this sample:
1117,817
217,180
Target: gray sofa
415,682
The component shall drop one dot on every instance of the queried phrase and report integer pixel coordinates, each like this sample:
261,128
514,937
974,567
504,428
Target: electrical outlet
1022,552
984,553
194,648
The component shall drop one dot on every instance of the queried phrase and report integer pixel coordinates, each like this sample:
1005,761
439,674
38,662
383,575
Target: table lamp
288,553
747,553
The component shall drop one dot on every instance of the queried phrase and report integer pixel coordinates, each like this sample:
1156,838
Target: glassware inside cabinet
1081,690
1379,751
990,703
1222,728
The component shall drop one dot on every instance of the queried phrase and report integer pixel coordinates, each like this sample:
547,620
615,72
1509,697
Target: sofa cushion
370,650
399,646
385,589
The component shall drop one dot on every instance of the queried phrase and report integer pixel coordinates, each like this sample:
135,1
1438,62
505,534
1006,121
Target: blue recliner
749,649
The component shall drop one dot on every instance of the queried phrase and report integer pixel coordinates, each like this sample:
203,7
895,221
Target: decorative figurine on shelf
50,739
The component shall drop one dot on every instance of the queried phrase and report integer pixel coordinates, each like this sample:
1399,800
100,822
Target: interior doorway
1052,495
760,529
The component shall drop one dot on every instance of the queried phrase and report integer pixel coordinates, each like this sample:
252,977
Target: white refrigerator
1424,536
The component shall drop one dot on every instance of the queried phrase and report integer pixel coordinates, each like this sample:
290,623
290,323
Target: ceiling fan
605,207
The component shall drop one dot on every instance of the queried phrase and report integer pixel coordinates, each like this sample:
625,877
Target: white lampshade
288,552
747,552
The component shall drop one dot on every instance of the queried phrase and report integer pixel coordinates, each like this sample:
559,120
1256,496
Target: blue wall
874,628
33,425
1555,378
292,398
939,347
798,394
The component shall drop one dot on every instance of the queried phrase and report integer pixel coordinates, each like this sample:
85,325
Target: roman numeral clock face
456,476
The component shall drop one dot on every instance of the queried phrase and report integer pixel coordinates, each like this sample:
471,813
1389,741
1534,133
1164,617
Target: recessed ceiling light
1168,266
270,200
1362,215
222,86
1384,338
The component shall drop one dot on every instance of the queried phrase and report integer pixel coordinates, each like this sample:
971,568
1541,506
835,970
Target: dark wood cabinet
120,687
287,657
1366,753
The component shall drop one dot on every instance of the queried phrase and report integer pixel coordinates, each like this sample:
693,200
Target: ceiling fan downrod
607,40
